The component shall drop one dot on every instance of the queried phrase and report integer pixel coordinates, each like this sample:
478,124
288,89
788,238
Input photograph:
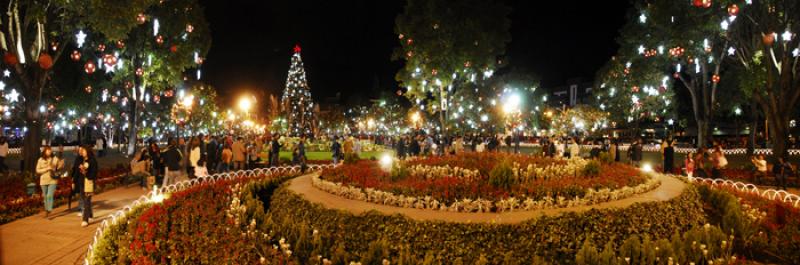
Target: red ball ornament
139,71
75,56
120,44
173,48
45,61
768,39
89,67
159,39
141,18
10,59
109,60
189,28
101,47
156,99
706,3
88,89
635,89
128,85
676,75
715,78
434,72
733,10
697,3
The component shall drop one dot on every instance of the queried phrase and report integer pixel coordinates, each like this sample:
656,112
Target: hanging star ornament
6,73
80,38
13,96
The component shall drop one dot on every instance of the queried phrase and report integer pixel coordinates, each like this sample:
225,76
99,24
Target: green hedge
345,237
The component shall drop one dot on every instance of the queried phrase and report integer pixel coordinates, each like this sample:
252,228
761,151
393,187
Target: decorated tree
297,103
702,41
767,49
580,120
147,65
446,45
33,38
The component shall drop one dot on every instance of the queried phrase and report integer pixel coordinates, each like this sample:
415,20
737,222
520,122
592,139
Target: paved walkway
670,188
59,239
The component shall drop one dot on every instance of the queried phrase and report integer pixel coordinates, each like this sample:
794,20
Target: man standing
172,159
275,151
3,154
336,150
239,154
212,149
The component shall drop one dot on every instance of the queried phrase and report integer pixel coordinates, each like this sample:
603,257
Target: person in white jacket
194,156
46,167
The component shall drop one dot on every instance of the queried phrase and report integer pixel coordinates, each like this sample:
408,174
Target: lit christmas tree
297,102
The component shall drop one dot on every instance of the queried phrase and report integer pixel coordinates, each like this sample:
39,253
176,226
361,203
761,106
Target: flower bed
15,203
344,237
471,182
204,224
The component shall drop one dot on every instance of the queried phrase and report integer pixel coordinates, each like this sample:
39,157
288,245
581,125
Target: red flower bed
15,202
192,227
368,174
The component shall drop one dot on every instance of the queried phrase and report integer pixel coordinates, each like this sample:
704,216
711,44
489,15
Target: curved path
670,188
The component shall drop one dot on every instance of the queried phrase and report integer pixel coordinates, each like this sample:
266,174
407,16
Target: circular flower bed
485,182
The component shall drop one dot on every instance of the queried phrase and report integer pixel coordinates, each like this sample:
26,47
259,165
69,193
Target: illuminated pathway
59,239
670,188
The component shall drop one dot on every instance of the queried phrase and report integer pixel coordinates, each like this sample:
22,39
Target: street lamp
415,118
245,104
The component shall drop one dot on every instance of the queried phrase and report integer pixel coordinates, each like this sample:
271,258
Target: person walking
688,163
89,171
48,168
77,180
226,158
275,150
156,170
336,150
574,149
172,160
613,151
140,167
239,153
195,154
782,169
3,154
718,162
668,156
212,154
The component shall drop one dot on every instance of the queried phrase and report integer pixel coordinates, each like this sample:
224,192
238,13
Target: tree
633,93
665,40
579,120
171,38
446,44
767,48
297,102
33,37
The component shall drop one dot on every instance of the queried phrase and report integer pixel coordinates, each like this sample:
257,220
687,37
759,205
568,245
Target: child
200,170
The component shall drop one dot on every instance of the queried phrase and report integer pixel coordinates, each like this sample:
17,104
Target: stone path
59,239
670,188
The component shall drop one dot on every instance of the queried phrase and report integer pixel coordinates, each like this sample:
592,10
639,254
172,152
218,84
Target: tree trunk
780,134
32,141
132,132
751,143
702,132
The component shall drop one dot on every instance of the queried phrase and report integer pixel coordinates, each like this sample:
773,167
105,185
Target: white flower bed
480,205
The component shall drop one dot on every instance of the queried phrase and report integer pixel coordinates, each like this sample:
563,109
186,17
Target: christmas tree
296,101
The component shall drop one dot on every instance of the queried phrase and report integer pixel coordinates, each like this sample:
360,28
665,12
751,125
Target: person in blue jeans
46,168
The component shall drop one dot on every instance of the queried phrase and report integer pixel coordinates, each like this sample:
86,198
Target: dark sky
347,44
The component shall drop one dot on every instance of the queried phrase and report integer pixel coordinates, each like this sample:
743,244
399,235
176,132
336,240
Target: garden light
386,162
647,168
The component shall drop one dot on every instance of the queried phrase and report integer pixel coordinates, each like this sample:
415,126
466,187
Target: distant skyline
347,45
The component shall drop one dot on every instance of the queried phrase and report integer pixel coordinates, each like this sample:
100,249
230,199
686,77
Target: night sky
347,44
